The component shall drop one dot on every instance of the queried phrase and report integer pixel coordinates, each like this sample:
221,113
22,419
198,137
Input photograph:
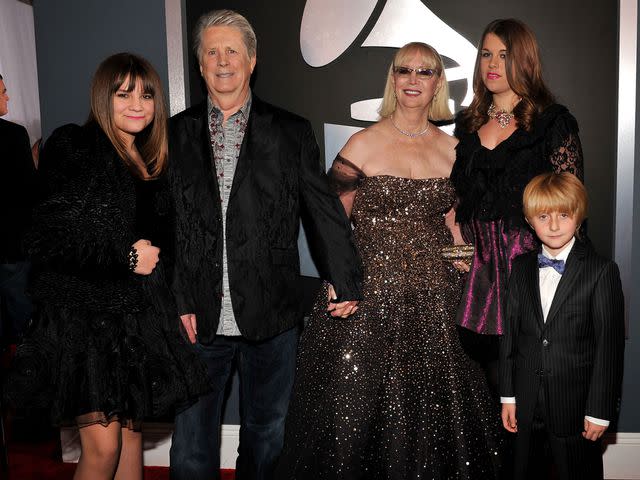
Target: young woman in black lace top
105,350
512,131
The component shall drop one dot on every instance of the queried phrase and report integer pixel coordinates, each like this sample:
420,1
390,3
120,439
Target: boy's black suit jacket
279,178
577,354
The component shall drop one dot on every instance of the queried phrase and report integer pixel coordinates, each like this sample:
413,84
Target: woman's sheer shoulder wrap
344,176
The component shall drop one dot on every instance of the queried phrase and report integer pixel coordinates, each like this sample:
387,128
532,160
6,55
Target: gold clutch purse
452,253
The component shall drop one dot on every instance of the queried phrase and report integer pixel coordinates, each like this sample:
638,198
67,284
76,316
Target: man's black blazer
17,189
577,354
279,178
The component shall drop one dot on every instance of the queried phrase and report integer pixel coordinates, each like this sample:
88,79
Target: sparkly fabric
388,393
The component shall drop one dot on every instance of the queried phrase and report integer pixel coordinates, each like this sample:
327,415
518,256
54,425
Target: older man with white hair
243,172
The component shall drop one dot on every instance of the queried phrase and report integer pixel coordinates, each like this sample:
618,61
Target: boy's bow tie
557,265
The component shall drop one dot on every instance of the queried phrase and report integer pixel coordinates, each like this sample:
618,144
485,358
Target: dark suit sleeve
72,226
328,228
18,186
607,308
181,242
508,340
27,174
186,251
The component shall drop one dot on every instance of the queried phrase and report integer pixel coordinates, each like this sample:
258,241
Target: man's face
4,99
225,64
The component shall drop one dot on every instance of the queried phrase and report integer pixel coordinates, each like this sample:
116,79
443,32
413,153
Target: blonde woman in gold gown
388,393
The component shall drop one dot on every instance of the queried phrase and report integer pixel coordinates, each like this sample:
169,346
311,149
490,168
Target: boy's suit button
545,343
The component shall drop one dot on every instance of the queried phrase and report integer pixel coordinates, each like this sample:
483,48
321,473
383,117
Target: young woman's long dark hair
108,79
524,74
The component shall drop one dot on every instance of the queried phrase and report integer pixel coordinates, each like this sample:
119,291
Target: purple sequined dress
489,185
389,393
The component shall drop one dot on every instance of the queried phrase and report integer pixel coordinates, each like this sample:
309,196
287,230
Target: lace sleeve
345,179
565,150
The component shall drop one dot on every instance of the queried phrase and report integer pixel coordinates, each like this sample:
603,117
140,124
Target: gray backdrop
74,36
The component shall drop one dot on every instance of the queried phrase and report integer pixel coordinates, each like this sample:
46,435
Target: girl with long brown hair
105,351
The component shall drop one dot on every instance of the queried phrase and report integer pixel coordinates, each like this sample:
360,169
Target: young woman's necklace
502,116
410,134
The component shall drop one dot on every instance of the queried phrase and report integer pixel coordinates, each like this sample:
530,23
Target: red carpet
41,461
34,452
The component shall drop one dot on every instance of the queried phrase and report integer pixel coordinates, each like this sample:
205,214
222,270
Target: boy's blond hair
555,192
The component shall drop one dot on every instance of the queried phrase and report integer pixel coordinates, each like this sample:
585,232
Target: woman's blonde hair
108,79
439,108
555,192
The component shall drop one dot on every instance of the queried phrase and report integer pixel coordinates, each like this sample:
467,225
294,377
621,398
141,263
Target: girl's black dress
105,343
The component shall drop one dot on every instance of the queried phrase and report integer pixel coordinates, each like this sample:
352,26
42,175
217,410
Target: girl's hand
148,257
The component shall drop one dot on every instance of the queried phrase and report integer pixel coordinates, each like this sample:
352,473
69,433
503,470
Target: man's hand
342,309
509,417
190,326
592,431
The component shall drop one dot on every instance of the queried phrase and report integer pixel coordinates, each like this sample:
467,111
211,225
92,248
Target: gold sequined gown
389,393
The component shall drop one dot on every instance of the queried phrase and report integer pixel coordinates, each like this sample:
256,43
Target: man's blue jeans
266,371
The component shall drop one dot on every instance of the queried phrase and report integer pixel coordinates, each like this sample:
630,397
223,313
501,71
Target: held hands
509,417
592,431
190,325
147,257
342,309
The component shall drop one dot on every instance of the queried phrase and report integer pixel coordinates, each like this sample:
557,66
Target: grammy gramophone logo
329,27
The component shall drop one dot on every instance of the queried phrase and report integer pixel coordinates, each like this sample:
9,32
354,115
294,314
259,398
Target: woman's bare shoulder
443,151
361,145
446,140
